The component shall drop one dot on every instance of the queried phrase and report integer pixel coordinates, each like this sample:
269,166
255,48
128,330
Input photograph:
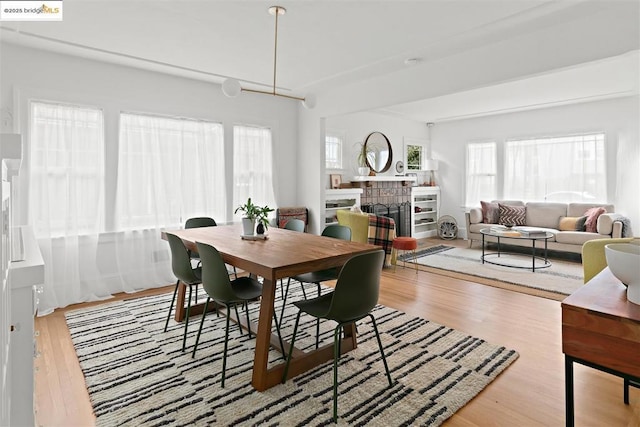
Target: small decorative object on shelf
447,227
254,214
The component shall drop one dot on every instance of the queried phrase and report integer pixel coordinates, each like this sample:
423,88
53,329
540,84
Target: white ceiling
323,45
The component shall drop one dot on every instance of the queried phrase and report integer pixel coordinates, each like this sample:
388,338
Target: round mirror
379,153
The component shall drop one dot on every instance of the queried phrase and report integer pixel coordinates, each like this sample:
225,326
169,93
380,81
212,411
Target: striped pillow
512,215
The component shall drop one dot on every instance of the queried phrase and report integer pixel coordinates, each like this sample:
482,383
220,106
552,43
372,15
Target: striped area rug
137,375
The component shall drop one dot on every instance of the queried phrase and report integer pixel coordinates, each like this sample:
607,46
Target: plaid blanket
382,231
285,214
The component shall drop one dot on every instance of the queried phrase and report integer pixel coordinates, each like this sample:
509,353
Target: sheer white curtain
66,200
481,173
564,168
252,166
168,170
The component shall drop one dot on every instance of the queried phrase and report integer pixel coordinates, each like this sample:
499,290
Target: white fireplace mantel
365,178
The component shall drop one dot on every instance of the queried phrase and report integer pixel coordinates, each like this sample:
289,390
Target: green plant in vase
361,159
254,214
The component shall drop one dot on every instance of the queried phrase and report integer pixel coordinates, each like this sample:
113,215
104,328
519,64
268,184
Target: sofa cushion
579,209
490,212
546,215
591,225
475,215
515,215
572,223
575,237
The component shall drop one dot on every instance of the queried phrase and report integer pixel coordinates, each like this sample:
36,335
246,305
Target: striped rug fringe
137,375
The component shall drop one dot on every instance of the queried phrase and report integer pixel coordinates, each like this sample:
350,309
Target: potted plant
363,169
252,214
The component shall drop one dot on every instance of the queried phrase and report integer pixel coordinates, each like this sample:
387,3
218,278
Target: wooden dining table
282,254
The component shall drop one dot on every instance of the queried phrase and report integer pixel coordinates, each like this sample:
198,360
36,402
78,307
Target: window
563,168
333,150
169,169
481,182
252,166
66,191
414,157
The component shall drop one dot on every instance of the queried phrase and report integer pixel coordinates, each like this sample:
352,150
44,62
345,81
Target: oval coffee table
507,233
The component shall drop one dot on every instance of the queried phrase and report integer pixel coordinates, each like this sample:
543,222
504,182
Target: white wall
618,118
27,73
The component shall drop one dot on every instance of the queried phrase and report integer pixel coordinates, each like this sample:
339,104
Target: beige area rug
137,375
555,282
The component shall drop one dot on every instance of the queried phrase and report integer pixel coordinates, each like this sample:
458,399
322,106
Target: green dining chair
203,221
335,231
184,271
229,293
294,225
355,295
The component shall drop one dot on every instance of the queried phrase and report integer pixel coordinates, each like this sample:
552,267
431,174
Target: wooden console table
601,329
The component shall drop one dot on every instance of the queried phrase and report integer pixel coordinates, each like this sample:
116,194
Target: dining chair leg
186,321
318,323
284,299
226,342
246,312
293,341
173,300
204,313
384,360
275,319
235,307
336,356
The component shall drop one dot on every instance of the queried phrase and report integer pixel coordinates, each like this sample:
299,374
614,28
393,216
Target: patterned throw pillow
591,225
512,215
490,212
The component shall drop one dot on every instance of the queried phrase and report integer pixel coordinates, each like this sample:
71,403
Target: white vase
623,260
248,226
363,171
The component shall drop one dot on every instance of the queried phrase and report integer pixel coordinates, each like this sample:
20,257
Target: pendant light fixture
231,87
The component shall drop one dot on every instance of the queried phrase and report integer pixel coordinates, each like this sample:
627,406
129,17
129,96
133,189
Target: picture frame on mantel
336,180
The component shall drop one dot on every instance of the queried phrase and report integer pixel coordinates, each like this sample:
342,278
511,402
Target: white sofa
547,216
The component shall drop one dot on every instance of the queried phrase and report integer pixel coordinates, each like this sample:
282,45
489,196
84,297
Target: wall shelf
425,210
339,199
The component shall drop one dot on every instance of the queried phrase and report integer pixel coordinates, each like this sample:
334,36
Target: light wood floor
529,393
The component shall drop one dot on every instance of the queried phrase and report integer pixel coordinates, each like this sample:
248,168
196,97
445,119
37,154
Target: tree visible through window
414,157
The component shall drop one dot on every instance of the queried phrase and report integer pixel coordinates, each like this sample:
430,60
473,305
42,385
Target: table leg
180,310
482,248
545,252
263,336
568,384
533,255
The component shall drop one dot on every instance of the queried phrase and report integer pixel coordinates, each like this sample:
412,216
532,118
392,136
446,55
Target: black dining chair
226,292
335,231
355,295
184,271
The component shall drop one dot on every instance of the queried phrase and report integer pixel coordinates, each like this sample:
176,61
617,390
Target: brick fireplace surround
388,198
